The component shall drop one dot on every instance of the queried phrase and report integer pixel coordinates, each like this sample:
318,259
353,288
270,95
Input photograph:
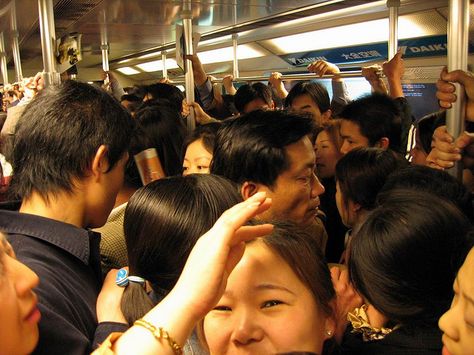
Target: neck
56,206
124,195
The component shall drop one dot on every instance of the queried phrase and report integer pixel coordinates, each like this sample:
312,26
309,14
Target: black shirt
66,259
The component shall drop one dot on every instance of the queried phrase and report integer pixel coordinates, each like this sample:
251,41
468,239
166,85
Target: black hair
247,93
362,173
207,133
434,181
315,91
377,116
405,256
59,133
163,220
160,127
168,92
252,147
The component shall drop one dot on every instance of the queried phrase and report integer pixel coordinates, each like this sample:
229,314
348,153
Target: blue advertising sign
411,48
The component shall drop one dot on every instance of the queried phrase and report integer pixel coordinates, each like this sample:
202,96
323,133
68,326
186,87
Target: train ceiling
140,28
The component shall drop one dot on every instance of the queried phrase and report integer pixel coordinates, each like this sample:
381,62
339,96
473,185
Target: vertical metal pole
458,35
48,39
3,60
393,6
15,45
235,71
104,44
189,76
163,61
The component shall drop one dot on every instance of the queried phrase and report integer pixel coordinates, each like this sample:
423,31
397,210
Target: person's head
425,128
253,97
163,220
405,256
19,313
371,121
360,175
165,91
328,149
198,148
434,181
457,323
310,97
161,128
270,151
131,102
279,298
72,138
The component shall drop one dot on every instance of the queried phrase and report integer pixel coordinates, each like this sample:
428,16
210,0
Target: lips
34,314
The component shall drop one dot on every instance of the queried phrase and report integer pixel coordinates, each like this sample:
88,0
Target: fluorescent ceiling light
215,40
157,65
128,71
226,54
360,33
150,55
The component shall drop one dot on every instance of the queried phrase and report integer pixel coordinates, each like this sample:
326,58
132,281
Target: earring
329,333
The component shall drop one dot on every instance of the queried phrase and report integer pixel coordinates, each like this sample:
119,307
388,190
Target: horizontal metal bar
304,76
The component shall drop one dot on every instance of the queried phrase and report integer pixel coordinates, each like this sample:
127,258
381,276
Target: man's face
352,137
304,103
295,195
257,104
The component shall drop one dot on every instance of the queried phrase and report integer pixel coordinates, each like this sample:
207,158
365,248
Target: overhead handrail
104,42
458,36
302,76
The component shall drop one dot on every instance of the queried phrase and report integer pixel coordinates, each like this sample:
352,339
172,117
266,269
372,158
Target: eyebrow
274,287
305,106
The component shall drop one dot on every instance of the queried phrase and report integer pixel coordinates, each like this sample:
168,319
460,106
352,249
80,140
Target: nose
345,147
317,189
25,279
448,325
247,329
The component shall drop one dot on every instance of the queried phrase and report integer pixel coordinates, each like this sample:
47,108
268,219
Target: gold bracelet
159,334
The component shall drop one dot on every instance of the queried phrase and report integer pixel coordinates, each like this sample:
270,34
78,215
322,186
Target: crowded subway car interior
226,177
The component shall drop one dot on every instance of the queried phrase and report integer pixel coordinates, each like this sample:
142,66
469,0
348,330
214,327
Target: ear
330,324
100,163
383,143
326,116
248,189
355,207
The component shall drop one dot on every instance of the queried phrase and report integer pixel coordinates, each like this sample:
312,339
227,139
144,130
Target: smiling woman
281,280
19,315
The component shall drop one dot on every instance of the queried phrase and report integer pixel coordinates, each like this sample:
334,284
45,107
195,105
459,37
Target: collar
76,241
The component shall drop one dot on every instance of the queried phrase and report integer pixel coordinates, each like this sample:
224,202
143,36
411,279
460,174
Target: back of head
426,126
60,132
434,181
247,93
362,173
315,91
377,116
167,92
160,127
405,256
252,147
163,221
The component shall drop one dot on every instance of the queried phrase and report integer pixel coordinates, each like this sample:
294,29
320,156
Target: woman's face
19,312
457,323
265,309
345,209
196,159
327,155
